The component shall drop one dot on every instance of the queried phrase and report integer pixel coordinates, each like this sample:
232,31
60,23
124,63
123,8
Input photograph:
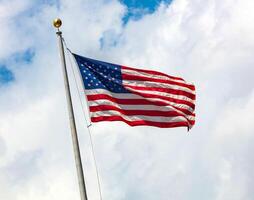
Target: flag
136,96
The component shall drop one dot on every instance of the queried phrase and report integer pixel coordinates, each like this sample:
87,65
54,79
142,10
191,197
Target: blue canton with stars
100,75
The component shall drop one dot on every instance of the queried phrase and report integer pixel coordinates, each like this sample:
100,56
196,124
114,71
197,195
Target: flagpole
82,188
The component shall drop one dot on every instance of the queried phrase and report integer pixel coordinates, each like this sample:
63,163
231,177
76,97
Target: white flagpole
82,188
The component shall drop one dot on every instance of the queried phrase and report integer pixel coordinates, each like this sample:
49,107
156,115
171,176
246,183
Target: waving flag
136,96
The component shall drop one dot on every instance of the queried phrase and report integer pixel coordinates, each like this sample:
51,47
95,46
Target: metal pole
81,180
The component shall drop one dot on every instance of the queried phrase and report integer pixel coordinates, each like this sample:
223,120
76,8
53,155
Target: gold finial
57,23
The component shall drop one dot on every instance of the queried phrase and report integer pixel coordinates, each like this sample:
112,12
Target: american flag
136,96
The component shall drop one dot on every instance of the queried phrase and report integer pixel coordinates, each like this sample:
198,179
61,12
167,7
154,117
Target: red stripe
178,101
137,112
140,122
135,102
166,90
142,78
152,72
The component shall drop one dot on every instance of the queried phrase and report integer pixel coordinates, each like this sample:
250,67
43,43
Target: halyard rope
88,124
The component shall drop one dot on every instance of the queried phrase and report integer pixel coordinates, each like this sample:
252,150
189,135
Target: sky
207,42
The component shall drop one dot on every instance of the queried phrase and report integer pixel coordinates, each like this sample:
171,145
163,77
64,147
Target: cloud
10,34
207,42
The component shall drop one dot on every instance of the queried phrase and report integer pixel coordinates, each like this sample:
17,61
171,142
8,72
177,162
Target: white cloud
207,42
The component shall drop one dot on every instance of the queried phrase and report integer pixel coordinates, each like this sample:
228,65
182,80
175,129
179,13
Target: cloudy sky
207,42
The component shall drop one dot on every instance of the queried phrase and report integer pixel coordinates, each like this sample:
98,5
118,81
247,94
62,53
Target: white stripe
116,95
179,105
148,75
157,85
134,96
138,117
137,107
164,94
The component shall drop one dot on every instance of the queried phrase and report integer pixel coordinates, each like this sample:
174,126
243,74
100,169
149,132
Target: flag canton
100,75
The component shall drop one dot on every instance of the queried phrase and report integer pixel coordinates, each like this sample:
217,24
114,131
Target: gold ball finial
57,23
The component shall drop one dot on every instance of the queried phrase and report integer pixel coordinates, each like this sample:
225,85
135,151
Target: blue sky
19,59
136,9
5,75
